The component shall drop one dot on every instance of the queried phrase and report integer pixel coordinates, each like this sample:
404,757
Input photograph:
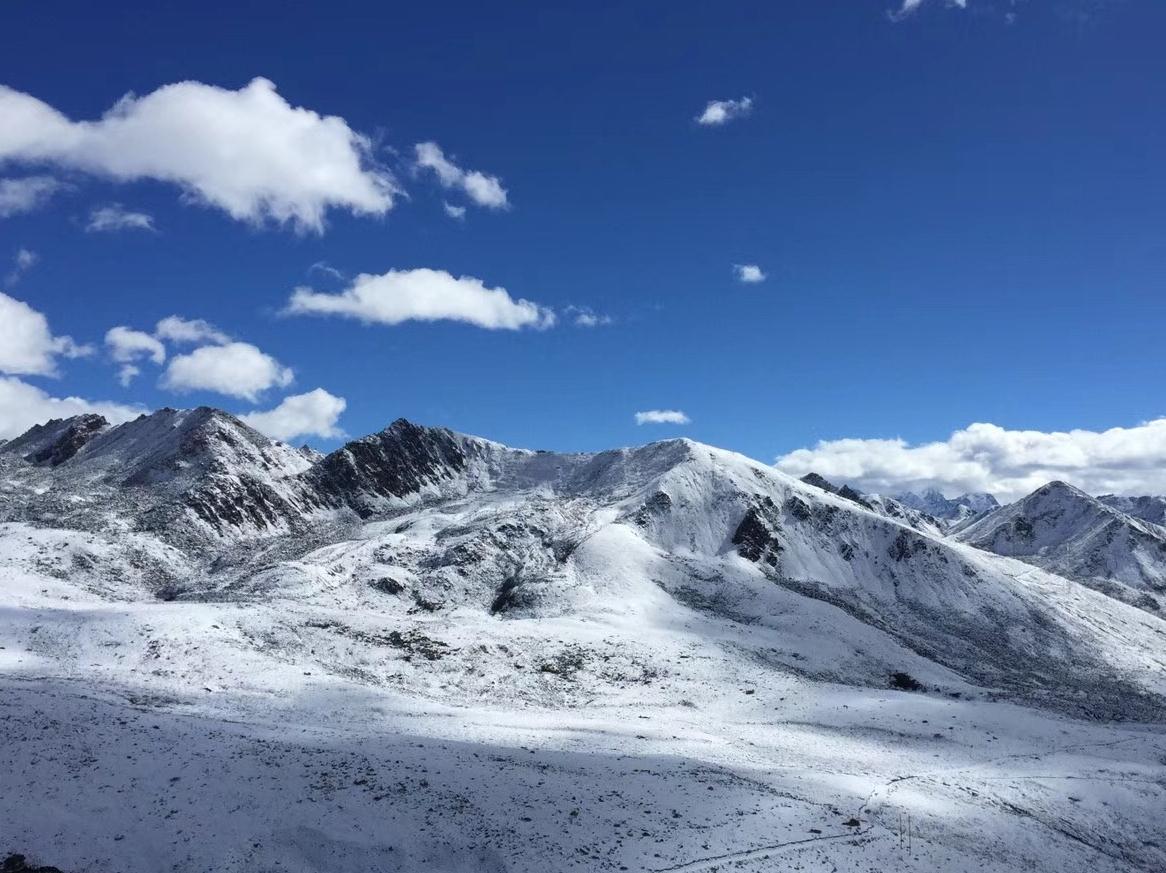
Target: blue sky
958,213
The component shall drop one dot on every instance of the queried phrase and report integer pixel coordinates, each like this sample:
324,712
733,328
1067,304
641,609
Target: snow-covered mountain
422,581
1064,530
886,506
953,510
1147,508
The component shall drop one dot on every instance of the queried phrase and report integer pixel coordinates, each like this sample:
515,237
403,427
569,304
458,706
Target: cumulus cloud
986,457
113,217
126,345
23,405
27,345
26,194
749,274
312,414
235,369
177,329
662,416
482,189
423,295
248,152
455,212
719,112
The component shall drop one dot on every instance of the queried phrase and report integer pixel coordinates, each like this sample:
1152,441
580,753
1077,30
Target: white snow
553,662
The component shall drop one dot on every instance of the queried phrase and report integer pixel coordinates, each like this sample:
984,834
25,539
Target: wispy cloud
482,189
719,112
23,261
114,217
26,194
910,7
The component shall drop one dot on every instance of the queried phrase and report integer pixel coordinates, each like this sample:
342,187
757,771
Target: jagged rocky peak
58,440
401,460
846,491
885,506
1151,508
934,503
183,444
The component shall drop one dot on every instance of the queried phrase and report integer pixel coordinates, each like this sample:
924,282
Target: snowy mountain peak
954,509
56,441
1061,528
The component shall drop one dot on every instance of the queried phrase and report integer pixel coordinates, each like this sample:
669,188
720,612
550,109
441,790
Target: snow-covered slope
1065,530
448,621
886,506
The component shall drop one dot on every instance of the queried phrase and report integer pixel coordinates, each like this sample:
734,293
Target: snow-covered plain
486,659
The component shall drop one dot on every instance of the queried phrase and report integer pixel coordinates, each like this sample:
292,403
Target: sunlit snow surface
543,665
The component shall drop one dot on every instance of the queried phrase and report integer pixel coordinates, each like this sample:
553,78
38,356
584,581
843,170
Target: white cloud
23,405
326,269
584,316
719,112
909,7
481,189
423,295
662,416
235,369
189,330
26,194
247,152
986,457
456,212
127,345
311,414
749,274
24,260
116,217
27,345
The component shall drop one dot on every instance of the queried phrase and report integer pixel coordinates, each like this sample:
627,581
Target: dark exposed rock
75,434
905,682
388,585
19,864
845,491
656,505
905,545
756,536
400,460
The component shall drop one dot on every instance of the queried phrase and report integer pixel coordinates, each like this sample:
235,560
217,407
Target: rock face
56,441
1063,529
378,470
